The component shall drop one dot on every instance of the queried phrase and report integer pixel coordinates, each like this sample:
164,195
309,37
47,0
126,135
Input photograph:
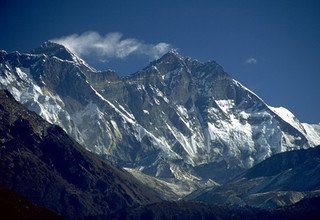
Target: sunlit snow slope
178,119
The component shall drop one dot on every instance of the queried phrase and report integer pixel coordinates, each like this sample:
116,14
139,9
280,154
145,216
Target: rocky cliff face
178,119
42,163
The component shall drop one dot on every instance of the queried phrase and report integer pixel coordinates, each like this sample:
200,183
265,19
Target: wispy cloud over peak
112,45
251,60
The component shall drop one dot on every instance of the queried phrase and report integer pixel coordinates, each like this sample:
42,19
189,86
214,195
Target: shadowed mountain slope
42,163
280,180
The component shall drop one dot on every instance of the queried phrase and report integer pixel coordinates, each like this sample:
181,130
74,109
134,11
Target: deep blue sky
283,37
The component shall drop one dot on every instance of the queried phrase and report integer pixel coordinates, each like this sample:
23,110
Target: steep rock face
42,163
280,180
177,119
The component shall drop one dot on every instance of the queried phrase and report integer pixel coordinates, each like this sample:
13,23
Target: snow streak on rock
178,119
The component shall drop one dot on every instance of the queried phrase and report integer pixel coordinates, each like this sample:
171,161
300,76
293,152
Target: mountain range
178,119
42,166
179,128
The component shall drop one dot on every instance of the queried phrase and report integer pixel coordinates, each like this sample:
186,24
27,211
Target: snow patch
225,105
313,133
288,117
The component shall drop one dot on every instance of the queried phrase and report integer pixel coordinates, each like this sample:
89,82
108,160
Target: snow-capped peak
171,55
53,49
177,118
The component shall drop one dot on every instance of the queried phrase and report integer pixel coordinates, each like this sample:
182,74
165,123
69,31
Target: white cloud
112,45
251,60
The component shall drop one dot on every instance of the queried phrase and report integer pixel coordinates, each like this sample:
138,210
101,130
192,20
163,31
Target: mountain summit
52,49
178,119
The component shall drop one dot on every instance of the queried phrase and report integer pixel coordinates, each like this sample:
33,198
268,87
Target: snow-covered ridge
310,131
178,119
52,49
286,115
313,133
